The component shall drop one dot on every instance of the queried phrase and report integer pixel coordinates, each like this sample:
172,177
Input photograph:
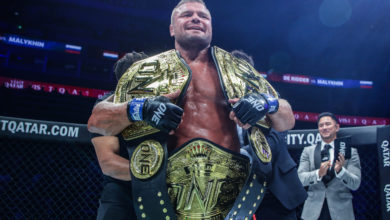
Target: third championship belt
240,78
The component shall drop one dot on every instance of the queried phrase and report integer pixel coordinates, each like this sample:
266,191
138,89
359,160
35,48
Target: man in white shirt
329,177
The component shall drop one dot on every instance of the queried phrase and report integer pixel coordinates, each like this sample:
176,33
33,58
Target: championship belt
158,75
205,181
167,73
148,162
240,78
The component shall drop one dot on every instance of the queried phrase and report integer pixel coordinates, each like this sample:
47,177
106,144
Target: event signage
39,44
35,129
383,136
322,82
13,83
51,87
343,119
286,78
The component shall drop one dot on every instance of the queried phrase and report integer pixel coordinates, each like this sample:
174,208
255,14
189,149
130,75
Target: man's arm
108,118
351,176
307,176
284,118
107,152
111,118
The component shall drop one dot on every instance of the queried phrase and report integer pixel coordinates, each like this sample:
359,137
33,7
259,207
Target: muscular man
196,94
116,197
330,177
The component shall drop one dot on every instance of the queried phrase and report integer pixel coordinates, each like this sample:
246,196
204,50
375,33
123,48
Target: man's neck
328,141
200,55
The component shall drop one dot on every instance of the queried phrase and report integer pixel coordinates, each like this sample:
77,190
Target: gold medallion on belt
204,180
260,145
147,159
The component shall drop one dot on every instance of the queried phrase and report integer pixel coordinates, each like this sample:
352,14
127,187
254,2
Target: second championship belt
158,75
240,78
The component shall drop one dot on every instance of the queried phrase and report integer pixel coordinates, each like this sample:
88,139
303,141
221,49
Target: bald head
183,2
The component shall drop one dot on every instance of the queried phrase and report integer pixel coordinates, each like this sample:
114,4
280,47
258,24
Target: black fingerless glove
253,107
158,112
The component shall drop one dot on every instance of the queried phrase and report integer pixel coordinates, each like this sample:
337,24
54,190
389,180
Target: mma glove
158,112
253,107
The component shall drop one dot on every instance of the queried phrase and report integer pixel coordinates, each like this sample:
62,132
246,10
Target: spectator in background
285,192
329,177
116,198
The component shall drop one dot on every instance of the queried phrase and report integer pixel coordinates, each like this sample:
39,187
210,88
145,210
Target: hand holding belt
253,107
158,112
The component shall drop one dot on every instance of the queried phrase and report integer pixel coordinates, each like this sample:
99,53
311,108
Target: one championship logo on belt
261,146
146,159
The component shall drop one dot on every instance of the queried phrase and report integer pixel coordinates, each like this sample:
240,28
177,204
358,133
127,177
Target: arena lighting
110,54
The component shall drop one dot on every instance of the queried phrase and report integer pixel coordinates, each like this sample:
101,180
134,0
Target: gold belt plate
147,159
204,180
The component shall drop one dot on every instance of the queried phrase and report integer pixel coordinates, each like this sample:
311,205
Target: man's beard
194,42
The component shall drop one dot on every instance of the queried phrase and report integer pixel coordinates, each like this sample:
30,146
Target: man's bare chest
205,85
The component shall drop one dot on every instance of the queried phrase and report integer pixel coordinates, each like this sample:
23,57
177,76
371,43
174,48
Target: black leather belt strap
150,196
250,197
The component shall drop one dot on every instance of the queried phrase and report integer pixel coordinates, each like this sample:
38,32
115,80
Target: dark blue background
332,39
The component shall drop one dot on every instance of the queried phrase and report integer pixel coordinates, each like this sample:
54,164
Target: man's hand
158,112
251,108
324,168
339,163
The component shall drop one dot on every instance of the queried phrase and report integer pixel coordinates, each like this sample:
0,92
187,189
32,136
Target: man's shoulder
354,149
310,147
